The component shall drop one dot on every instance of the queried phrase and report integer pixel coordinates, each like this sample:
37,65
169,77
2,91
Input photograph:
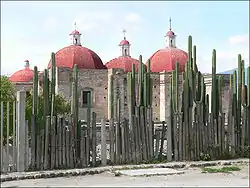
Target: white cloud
239,39
132,17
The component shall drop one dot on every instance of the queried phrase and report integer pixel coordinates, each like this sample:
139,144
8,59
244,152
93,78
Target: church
94,75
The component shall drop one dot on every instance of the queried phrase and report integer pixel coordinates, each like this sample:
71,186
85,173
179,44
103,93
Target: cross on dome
124,33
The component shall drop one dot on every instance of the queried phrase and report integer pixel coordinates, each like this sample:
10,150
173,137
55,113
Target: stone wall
95,81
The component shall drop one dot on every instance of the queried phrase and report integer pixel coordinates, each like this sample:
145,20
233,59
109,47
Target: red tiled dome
76,54
165,59
24,75
123,62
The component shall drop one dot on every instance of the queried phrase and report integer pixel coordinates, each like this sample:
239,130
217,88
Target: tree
7,90
7,95
62,107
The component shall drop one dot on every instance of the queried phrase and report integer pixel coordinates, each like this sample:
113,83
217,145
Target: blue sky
32,30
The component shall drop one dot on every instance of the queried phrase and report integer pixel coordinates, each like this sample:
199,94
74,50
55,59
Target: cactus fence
191,132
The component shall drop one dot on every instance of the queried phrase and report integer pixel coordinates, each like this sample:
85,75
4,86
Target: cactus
35,92
45,94
53,84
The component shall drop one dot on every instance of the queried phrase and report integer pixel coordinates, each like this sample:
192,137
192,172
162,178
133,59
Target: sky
32,30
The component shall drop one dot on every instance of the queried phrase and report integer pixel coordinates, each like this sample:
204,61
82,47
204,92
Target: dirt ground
191,177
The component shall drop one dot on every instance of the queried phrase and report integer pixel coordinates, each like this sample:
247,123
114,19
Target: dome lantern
75,37
125,46
170,37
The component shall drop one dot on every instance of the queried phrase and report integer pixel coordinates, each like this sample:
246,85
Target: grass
226,169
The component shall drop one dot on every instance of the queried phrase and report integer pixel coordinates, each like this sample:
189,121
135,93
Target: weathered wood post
20,134
103,143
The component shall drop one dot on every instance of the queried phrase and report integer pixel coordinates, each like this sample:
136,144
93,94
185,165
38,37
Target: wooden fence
58,146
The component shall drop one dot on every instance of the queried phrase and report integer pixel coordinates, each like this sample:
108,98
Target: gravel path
191,177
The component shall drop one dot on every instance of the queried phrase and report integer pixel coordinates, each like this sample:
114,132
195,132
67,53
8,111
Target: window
125,52
85,97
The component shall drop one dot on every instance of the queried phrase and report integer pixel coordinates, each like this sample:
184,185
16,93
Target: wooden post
46,143
112,140
21,98
8,135
53,143
103,145
169,139
2,117
27,147
93,138
14,137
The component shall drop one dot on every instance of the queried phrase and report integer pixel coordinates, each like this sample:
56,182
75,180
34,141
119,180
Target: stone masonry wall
95,81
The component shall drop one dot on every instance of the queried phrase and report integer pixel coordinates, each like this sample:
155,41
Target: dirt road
191,177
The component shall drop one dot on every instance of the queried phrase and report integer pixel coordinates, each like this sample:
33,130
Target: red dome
123,62
124,42
83,57
165,59
24,75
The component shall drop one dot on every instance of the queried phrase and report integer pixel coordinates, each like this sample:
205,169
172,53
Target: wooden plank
117,144
7,136
21,105
169,139
64,161
83,148
157,144
2,138
139,134
60,144
196,137
143,133
14,154
123,155
56,143
46,143
150,133
71,145
181,135
88,137
33,142
93,138
67,146
53,143
112,140
175,137
219,135
42,139
103,143
118,136
223,148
